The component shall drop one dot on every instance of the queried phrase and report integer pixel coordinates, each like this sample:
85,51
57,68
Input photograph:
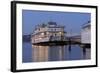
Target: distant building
47,32
86,33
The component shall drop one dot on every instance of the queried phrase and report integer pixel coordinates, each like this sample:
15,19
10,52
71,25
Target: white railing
58,38
47,39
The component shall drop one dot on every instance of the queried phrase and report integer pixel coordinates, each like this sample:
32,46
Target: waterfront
56,36
33,53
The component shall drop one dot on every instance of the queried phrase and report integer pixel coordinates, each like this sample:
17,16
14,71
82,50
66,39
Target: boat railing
57,38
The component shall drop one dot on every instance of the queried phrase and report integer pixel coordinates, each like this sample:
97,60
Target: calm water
32,53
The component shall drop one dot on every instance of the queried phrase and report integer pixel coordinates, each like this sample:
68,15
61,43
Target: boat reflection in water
39,53
59,53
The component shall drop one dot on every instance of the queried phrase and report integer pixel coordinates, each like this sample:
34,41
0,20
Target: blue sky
72,21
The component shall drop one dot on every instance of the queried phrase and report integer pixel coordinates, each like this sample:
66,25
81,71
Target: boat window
44,33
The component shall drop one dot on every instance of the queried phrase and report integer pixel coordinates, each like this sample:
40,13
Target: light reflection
58,53
40,53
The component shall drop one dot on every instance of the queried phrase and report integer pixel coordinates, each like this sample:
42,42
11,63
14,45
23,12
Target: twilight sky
71,20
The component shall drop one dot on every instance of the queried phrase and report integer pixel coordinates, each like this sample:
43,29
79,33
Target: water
33,53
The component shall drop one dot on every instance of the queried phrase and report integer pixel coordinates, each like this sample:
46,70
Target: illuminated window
42,33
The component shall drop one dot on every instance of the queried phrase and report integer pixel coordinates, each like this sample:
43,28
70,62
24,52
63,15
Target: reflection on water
39,53
33,53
